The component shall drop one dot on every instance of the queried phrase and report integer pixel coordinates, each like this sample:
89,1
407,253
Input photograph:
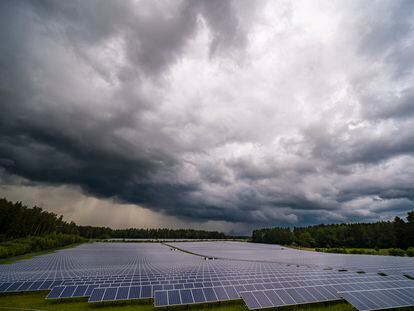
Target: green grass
37,301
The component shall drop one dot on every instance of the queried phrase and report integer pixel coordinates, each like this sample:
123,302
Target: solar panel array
279,254
127,271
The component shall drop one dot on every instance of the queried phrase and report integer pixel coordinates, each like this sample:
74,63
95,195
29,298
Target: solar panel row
290,296
195,295
302,295
21,286
120,293
277,275
71,291
291,281
380,299
197,271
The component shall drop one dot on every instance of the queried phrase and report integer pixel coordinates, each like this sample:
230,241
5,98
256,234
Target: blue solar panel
80,291
161,298
174,297
221,293
110,293
210,294
250,300
97,295
380,299
263,300
35,285
25,286
285,296
231,292
14,287
186,296
146,292
4,286
274,298
55,292
135,292
89,290
122,293
68,291
46,285
198,295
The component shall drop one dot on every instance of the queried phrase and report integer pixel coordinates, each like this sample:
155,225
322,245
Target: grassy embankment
363,251
28,247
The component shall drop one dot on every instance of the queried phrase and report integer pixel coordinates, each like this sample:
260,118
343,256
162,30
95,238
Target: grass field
37,301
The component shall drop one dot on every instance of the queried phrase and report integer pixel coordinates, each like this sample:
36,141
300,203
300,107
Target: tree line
398,233
135,233
18,221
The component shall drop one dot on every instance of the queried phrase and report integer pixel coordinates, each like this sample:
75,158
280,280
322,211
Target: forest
398,233
18,221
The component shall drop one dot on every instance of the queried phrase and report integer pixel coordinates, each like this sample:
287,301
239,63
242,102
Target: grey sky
224,115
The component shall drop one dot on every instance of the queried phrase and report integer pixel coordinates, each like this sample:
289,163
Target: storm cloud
235,112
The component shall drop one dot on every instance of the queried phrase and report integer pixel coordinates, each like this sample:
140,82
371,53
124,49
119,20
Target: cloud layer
278,113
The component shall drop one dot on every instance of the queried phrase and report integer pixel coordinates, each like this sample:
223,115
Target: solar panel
13,287
89,290
221,293
174,297
110,294
55,292
198,295
122,293
25,286
186,296
97,295
36,285
250,300
68,291
135,292
210,294
46,285
380,298
146,292
160,299
80,291
4,286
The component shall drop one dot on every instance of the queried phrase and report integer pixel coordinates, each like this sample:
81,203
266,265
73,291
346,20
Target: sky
216,115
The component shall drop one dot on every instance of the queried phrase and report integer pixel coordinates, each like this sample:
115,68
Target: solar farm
190,273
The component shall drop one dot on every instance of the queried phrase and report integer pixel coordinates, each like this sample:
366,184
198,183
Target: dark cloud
147,103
